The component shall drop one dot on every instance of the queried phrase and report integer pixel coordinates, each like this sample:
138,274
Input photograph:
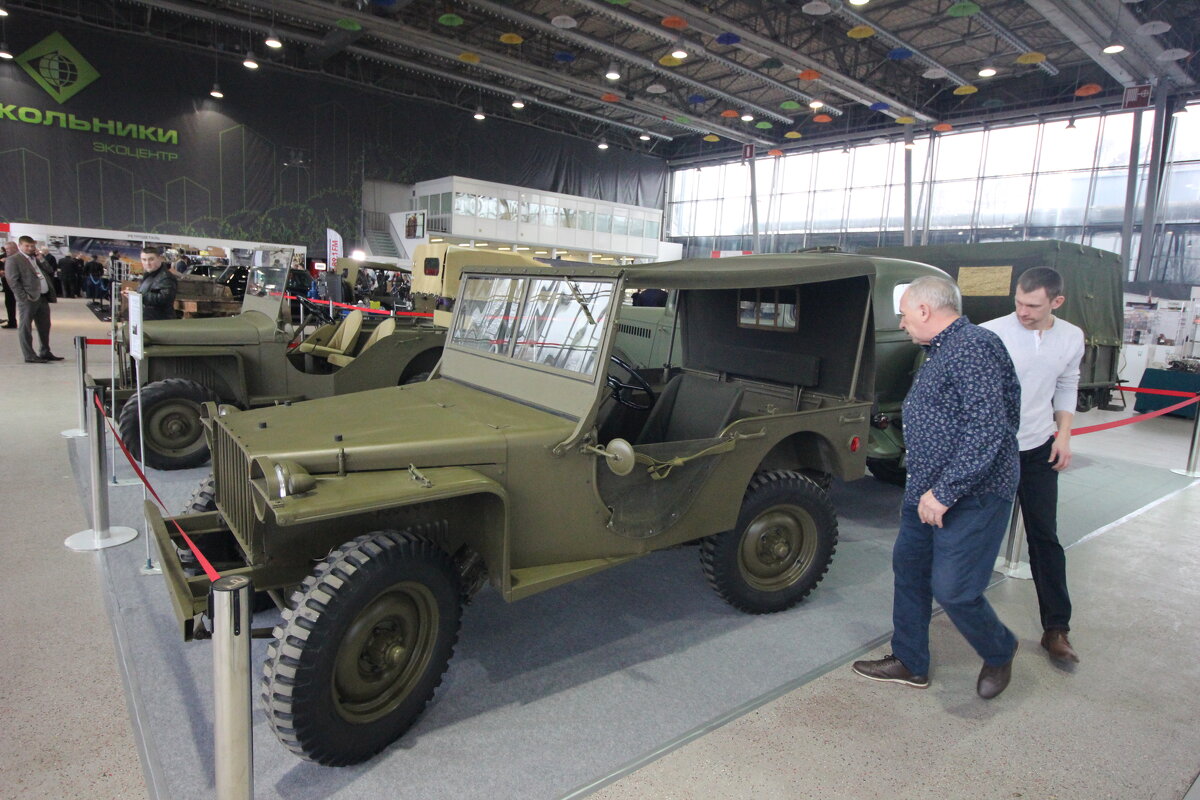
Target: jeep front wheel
171,418
781,548
364,645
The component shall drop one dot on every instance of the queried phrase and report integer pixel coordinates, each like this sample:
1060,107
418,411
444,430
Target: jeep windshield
536,339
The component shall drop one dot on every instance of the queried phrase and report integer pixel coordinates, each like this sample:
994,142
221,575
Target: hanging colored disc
450,20
861,32
792,135
609,97
470,58
1088,89
511,38
966,89
822,118
775,153
905,120
808,75
880,106
696,99
729,113
1032,57
899,53
763,125
942,127
674,23
789,105
963,9
728,38
564,57
712,137
670,61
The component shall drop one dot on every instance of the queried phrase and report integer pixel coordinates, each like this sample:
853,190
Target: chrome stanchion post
1010,563
232,743
1193,463
80,372
100,535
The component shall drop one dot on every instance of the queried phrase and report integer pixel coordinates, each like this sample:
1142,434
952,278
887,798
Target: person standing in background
10,298
30,278
1046,352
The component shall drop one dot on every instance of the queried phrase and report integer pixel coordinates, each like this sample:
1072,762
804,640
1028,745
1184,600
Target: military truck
534,459
256,359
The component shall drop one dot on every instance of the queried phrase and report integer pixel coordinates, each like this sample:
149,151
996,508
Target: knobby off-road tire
204,497
174,434
781,548
888,471
364,645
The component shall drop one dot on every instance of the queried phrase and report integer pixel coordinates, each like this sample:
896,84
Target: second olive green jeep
536,458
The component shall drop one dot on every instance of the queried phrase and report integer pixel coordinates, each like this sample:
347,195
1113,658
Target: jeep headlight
291,478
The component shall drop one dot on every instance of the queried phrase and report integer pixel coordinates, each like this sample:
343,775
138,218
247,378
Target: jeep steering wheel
622,391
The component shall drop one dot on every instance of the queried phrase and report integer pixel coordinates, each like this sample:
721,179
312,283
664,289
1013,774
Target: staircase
380,243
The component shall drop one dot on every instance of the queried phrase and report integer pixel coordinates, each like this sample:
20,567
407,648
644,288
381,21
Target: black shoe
890,670
8,326
36,360
994,680
51,357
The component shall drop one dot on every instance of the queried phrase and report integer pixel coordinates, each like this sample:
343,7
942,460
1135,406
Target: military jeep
256,359
536,458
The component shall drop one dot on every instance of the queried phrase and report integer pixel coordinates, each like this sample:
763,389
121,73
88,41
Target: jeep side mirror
618,454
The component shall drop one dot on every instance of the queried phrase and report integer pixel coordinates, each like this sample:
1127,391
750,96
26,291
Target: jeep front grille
232,473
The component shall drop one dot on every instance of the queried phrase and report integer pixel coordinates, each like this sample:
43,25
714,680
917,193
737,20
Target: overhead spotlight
1071,124
518,103
479,113
747,116
273,41
248,62
602,145
614,73
909,145
1181,110
679,51
216,92
645,137
987,71
859,2
3,11
359,255
1113,47
5,53
815,104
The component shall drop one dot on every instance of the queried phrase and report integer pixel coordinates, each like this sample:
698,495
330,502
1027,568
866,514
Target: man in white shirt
1046,352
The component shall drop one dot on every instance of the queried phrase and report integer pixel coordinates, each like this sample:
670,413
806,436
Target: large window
1062,179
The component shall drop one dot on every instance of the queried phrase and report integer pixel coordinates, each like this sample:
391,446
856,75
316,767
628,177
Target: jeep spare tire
174,434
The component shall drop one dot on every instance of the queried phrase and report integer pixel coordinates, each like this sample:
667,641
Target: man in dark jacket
69,269
10,297
157,287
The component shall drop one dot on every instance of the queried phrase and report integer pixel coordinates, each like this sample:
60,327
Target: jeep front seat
343,341
691,408
385,328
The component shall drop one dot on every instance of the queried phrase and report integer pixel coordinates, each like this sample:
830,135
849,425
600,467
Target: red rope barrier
1168,392
336,304
97,341
1105,426
208,568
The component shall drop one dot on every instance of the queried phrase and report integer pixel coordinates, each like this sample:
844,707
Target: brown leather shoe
994,680
1056,643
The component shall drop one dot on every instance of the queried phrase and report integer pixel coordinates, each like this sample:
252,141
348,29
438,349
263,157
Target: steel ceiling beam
635,22
714,23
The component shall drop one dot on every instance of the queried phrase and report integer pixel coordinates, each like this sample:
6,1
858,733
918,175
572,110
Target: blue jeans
951,565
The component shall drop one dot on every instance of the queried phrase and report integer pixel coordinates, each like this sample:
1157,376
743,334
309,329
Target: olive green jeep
536,458
256,358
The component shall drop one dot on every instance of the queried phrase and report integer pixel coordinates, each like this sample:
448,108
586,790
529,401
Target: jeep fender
474,506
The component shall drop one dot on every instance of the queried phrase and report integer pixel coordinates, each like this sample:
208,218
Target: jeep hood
437,423
249,327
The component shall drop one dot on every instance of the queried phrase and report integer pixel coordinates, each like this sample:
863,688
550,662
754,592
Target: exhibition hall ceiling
686,80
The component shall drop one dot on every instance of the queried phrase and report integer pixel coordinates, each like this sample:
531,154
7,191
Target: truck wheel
888,471
781,548
204,497
366,642
174,435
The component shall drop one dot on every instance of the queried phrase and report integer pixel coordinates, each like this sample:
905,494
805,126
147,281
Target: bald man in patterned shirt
960,427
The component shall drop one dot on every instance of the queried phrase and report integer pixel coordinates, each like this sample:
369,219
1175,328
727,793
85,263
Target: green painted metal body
498,459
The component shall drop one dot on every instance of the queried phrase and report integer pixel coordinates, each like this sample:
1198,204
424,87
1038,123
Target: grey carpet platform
552,695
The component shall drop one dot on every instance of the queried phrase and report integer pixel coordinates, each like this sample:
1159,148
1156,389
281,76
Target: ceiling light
613,74
359,255
216,92
248,62
1112,48
1181,110
645,137
679,52
3,12
602,145
1071,124
815,104
909,145
747,116
479,113
272,41
5,53
518,103
859,2
987,71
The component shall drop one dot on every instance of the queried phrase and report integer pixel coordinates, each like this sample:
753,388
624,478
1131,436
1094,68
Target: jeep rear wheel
781,548
366,642
171,416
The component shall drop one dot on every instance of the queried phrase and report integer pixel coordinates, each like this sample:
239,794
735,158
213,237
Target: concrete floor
1120,725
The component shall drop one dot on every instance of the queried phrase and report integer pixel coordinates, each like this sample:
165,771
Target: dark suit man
10,299
69,268
33,284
